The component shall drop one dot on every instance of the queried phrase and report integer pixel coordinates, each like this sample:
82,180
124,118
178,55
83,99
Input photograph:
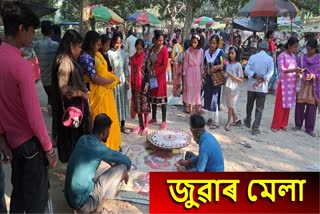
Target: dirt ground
281,151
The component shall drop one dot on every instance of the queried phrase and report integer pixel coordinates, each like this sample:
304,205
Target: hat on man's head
264,45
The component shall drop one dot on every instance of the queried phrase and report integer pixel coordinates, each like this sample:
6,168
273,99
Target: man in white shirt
130,48
259,70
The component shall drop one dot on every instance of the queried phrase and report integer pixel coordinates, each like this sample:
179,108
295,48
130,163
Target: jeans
260,99
3,206
106,186
29,178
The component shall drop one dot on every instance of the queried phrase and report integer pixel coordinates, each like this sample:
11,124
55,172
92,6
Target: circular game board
170,139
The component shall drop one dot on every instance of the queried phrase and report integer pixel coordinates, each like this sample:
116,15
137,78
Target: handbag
72,116
218,78
306,93
153,83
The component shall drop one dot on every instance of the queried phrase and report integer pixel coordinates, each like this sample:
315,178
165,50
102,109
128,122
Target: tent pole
267,25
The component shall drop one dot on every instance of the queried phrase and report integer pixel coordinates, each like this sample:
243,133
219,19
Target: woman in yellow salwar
101,86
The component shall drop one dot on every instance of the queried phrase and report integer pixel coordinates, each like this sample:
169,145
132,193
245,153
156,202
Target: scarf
211,59
137,73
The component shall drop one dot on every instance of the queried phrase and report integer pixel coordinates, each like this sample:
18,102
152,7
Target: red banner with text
234,192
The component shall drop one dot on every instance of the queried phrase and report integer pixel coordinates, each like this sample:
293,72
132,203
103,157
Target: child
140,88
235,76
169,72
192,72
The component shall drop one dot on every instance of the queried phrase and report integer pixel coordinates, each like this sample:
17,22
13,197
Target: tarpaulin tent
39,9
257,24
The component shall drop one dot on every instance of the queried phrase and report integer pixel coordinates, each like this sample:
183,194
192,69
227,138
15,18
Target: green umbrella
105,14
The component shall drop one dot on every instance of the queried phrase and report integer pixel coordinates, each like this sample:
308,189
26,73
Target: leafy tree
219,9
309,7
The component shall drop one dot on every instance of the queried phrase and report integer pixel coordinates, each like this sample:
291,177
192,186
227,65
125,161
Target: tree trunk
189,18
172,26
85,15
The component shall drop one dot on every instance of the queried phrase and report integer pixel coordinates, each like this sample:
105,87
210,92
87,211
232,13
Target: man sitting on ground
210,158
82,191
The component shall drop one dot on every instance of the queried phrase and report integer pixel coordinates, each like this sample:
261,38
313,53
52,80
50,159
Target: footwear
311,133
247,123
274,130
213,126
227,127
152,121
256,131
145,131
163,125
125,130
209,123
136,130
296,128
237,123
201,112
285,129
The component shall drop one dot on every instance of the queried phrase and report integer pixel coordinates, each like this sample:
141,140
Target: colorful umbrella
144,17
203,20
105,14
270,8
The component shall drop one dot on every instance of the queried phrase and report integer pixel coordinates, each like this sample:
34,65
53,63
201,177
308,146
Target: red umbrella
270,8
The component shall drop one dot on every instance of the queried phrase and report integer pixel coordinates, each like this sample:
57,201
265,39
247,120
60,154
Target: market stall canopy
102,13
144,17
257,24
286,22
271,8
38,9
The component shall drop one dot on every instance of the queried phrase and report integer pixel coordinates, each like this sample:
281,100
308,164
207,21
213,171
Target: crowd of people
87,80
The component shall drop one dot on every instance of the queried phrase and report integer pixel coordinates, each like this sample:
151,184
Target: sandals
311,133
227,127
136,130
237,123
214,126
163,125
209,123
144,132
152,121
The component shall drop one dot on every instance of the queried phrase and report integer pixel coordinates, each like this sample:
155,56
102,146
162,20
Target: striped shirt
46,50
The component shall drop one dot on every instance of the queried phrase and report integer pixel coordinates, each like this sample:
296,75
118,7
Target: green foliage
220,9
70,10
311,7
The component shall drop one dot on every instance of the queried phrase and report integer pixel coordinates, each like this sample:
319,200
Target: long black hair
90,39
216,38
139,42
237,53
115,38
313,43
104,40
70,37
291,41
269,33
197,37
157,34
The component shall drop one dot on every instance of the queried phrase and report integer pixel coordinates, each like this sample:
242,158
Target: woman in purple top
306,108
